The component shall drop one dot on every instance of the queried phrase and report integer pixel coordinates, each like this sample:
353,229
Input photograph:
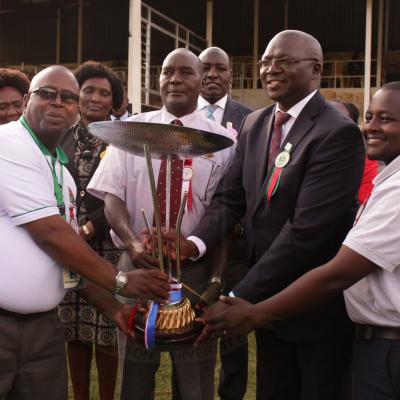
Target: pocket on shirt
205,178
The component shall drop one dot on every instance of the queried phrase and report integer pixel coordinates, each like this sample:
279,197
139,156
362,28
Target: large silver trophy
163,326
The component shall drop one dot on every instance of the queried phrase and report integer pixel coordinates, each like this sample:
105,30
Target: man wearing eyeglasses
296,172
40,254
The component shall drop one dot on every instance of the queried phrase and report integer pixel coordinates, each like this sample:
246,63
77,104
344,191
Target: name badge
71,280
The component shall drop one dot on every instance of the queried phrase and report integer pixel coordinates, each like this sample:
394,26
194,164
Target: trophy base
169,339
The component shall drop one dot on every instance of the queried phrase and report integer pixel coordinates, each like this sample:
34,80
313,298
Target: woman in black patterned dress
100,92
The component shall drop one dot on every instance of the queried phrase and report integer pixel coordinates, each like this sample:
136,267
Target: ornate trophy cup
172,324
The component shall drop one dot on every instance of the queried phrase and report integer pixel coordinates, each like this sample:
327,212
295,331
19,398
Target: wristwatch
121,281
85,230
215,279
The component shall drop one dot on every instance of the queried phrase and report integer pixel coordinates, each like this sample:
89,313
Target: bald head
292,67
51,105
185,53
217,74
308,44
46,74
215,52
180,82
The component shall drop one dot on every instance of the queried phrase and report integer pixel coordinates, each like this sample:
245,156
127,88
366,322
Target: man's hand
88,232
230,316
139,257
147,284
187,248
121,319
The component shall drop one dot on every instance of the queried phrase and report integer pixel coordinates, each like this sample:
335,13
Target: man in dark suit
215,90
215,102
300,202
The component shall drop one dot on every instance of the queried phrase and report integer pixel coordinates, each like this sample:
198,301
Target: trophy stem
178,235
168,193
155,205
168,209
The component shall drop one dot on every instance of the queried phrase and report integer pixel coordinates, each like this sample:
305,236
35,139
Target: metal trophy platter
163,326
163,139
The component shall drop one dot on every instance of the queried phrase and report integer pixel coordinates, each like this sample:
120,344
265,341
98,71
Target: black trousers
234,351
376,369
234,368
306,370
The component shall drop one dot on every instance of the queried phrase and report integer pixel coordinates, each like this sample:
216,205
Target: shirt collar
122,117
221,103
60,155
295,111
388,171
187,120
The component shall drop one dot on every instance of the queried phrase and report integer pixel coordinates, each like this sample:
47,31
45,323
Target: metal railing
182,37
335,74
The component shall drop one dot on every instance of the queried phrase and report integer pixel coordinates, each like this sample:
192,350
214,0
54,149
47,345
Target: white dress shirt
125,175
202,104
294,112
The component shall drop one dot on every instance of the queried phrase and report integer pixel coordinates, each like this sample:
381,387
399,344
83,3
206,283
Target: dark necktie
280,119
176,186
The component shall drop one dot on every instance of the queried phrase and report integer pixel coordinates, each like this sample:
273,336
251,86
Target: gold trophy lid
162,139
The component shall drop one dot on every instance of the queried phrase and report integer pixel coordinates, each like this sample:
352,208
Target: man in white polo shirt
368,264
36,200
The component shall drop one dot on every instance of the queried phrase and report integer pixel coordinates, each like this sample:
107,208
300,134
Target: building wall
28,35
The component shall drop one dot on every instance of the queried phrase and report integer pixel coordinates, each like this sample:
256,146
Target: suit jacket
94,206
305,222
235,113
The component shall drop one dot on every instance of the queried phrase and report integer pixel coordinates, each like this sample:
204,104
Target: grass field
163,388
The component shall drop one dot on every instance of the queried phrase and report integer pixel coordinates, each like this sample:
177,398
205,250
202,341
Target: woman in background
13,86
371,166
101,92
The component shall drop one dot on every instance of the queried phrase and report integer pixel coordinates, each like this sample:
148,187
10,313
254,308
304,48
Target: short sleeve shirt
375,300
125,175
30,281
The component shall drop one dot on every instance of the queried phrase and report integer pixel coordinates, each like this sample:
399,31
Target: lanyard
60,157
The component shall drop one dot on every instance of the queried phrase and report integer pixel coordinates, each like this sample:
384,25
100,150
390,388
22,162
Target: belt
370,332
12,314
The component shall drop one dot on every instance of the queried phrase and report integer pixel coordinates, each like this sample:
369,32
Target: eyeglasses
283,63
49,93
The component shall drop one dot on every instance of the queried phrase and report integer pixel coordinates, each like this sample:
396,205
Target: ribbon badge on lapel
281,160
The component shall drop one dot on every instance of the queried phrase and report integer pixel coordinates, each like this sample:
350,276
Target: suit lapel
303,124
262,151
232,114
227,113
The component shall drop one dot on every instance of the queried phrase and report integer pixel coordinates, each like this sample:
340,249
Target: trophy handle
155,205
178,235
